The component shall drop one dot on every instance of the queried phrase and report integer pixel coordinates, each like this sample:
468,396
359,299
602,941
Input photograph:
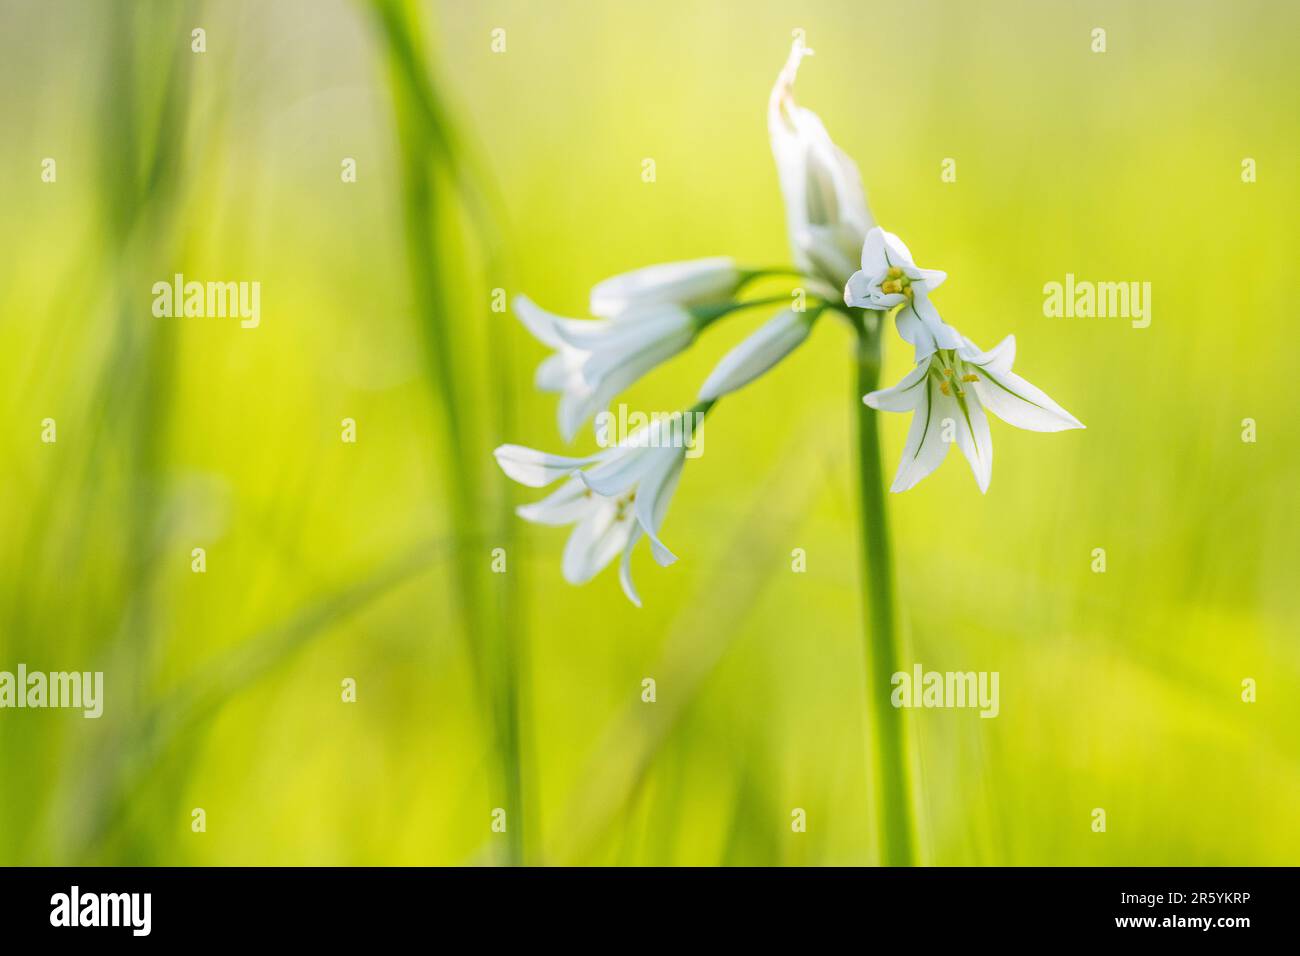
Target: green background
522,171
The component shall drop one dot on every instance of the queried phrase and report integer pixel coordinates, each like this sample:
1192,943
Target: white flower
825,206
889,278
751,358
644,319
945,409
612,498
597,359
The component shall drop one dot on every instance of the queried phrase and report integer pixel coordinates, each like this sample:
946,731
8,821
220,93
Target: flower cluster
644,318
953,382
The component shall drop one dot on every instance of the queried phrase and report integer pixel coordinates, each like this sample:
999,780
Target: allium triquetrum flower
948,393
643,319
825,206
612,498
890,278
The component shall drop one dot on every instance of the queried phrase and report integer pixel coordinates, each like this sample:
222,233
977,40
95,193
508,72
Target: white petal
789,155
925,448
915,332
944,334
839,198
919,323
605,374
537,469
819,182
830,249
997,359
933,278
783,90
621,471
696,280
873,253
616,375
538,321
883,301
857,291
552,374
575,407
653,496
665,336
631,330
776,339
787,148
896,253
973,438
596,540
560,370
1019,403
904,396
625,568
569,503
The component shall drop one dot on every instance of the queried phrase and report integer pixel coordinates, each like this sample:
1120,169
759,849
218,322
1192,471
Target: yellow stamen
895,272
943,387
891,286
972,377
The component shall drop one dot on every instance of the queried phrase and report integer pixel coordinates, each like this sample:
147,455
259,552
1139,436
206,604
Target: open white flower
890,278
773,341
825,206
948,393
612,498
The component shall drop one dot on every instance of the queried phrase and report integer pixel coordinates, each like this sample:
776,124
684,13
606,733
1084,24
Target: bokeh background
522,170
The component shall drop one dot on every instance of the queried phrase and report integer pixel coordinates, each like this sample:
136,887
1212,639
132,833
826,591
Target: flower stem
887,744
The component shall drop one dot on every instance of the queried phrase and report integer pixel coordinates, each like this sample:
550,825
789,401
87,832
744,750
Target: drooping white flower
948,393
890,278
825,206
773,341
596,359
644,319
611,498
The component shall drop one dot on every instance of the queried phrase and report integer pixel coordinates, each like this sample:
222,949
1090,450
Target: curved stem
750,275
887,733
706,315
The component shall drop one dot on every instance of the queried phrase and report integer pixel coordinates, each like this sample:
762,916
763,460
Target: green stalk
429,162
886,732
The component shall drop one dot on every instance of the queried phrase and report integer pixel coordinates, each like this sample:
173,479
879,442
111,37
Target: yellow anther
907,291
970,377
943,387
947,373
895,272
891,286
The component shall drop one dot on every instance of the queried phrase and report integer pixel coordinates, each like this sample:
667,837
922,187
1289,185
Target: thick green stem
886,731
